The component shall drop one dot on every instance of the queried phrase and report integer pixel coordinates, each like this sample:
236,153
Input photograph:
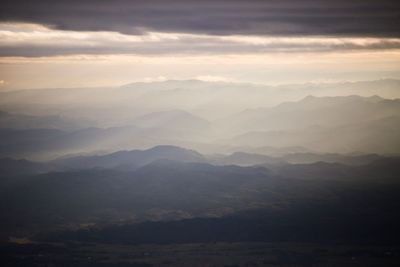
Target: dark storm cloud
217,17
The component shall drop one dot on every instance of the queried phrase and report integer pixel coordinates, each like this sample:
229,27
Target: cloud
215,17
29,40
213,78
154,79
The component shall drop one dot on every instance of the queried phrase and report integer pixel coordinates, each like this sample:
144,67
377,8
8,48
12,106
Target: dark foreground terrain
142,208
199,254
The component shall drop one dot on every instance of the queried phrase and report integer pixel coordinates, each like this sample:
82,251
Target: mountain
21,143
48,143
171,119
339,124
108,107
44,144
22,121
245,159
174,125
386,88
304,158
130,159
312,111
374,136
250,159
167,127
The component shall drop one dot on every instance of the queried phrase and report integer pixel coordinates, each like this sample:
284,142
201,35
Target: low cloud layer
34,40
215,17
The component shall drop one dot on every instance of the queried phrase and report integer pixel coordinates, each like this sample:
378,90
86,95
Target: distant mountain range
350,123
210,100
378,136
133,159
313,111
18,121
130,159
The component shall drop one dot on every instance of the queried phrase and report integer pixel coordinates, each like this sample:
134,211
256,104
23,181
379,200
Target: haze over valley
199,133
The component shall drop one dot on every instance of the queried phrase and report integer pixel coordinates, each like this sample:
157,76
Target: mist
211,117
188,133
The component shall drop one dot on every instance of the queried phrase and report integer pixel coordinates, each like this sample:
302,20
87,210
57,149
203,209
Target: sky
71,43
